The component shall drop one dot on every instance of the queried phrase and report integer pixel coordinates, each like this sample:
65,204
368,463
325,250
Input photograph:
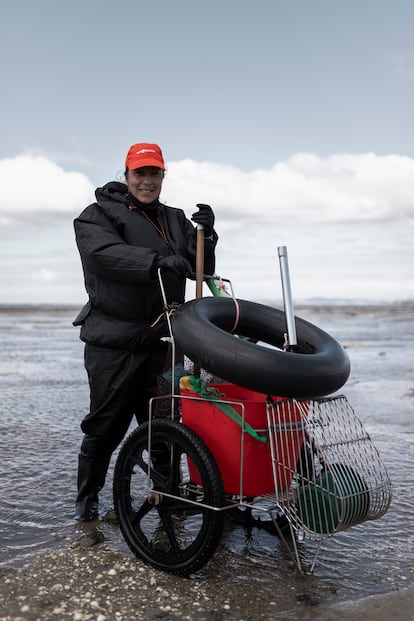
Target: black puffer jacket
119,248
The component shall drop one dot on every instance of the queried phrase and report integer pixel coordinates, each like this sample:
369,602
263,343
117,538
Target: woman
123,238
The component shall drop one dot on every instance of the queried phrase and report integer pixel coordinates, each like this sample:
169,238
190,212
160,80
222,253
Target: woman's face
145,183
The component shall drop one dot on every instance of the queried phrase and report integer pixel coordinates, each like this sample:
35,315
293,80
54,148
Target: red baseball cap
144,154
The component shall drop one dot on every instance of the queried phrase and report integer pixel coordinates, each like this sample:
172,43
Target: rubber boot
91,479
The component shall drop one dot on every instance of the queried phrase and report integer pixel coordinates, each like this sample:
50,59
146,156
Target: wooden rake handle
200,261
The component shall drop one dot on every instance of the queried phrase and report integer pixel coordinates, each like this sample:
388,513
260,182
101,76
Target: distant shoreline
361,305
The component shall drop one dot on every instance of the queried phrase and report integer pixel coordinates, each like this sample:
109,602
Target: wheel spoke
137,516
169,523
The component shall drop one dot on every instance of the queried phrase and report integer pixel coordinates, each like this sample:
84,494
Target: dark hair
127,170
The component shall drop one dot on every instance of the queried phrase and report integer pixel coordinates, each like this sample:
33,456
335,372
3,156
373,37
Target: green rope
212,394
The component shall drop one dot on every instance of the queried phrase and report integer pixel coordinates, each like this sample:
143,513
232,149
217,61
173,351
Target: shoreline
100,584
358,305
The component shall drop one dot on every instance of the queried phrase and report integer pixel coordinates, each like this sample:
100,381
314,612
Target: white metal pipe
287,296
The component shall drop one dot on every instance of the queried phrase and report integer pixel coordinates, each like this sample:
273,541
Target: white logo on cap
145,151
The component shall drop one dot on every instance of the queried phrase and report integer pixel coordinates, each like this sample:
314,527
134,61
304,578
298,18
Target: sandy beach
99,584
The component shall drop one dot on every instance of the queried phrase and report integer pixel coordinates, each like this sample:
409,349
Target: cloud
33,186
340,188
44,275
347,221
304,188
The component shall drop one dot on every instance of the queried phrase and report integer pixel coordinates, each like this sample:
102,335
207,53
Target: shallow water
44,395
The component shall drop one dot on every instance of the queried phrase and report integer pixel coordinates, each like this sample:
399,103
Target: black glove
175,263
204,216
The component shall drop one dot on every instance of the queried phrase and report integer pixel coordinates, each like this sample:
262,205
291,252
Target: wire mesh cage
338,480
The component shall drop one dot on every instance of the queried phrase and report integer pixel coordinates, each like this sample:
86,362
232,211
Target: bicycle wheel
167,520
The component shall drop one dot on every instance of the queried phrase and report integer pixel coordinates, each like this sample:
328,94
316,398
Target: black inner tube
317,366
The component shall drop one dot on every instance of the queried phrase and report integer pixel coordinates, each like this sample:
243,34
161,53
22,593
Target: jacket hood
113,191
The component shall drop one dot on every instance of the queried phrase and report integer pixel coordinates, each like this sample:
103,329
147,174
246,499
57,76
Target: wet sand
97,583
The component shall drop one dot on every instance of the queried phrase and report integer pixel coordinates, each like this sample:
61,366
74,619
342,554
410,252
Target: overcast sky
294,120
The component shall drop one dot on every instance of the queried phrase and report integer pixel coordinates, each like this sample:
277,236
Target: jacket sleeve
105,253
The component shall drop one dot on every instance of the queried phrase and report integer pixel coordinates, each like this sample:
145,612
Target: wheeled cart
301,468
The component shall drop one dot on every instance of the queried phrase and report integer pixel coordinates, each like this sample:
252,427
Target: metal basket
339,479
